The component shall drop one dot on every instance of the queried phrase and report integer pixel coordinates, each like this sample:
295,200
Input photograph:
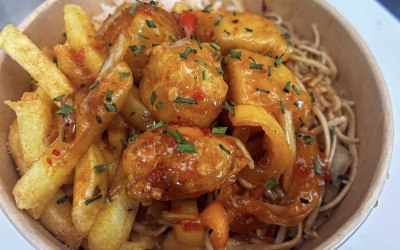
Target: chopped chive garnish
236,54
66,110
224,149
269,54
132,9
187,51
195,77
313,97
220,71
177,135
207,8
234,13
124,74
286,35
100,168
272,182
154,45
133,138
282,106
227,32
317,166
185,101
109,94
158,125
296,89
201,63
62,200
256,66
287,87
92,199
137,50
224,62
172,38
215,46
305,201
199,43
153,3
153,97
278,61
143,36
94,85
186,147
249,30
218,21
111,107
159,105
269,71
219,130
151,24
306,138
230,108
108,43
263,90
204,75
344,177
59,98
99,120
336,183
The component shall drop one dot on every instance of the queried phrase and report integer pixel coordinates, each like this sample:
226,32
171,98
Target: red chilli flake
49,161
206,132
235,21
198,96
56,152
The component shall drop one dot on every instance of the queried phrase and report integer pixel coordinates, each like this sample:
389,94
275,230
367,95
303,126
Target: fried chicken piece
181,163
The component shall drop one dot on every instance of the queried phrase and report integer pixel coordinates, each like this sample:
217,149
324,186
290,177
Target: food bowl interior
359,80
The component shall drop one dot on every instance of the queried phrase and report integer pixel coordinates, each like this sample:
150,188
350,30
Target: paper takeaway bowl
359,80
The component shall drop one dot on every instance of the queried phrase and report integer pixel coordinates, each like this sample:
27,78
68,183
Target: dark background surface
393,6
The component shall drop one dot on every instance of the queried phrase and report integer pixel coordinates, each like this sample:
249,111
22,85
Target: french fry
193,235
52,169
15,149
117,139
141,242
171,243
115,220
35,62
109,159
135,112
34,118
90,185
57,219
81,37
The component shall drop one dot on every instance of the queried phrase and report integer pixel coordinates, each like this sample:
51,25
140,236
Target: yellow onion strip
303,196
216,218
278,158
287,125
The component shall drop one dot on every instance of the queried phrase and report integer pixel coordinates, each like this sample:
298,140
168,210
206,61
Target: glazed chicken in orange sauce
150,27
234,30
181,163
183,83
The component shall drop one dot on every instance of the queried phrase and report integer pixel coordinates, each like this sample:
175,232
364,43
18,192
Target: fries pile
56,141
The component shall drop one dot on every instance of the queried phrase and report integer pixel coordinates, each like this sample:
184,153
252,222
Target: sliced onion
288,128
341,162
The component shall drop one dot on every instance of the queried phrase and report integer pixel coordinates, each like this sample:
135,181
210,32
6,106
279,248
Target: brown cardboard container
359,80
